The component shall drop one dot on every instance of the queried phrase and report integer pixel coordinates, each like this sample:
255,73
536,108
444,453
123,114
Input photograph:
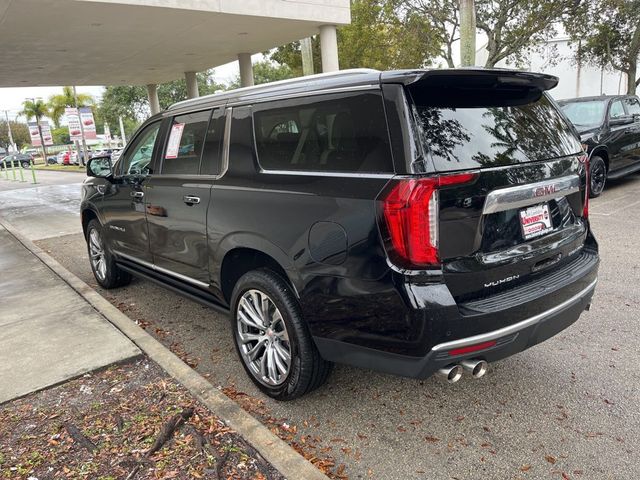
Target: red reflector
472,348
585,209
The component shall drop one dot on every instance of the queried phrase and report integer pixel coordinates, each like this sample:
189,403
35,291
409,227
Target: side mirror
100,167
622,120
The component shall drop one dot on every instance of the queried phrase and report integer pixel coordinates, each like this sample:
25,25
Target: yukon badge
501,281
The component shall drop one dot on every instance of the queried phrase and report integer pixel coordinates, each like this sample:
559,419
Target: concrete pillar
192,84
154,103
329,48
246,69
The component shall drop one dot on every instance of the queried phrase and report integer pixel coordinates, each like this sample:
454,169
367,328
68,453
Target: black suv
410,222
16,159
609,127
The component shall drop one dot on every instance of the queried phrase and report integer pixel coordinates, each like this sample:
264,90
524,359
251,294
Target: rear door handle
137,194
191,199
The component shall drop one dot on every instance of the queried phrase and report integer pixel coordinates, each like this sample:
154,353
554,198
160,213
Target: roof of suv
365,77
592,98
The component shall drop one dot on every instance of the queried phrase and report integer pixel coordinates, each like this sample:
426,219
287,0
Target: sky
11,98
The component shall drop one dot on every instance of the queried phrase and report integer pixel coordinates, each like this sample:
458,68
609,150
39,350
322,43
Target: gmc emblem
543,191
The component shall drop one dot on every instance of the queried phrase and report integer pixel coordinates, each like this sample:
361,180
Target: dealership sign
34,133
75,128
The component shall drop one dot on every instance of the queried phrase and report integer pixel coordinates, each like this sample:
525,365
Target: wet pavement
568,408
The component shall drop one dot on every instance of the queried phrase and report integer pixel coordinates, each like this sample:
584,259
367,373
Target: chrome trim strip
502,332
153,266
530,194
327,174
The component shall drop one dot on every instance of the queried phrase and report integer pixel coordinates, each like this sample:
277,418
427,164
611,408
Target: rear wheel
26,164
104,267
271,338
597,175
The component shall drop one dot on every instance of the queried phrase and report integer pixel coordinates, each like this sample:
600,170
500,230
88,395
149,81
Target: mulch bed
126,422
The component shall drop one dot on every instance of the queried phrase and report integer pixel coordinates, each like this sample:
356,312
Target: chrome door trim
530,194
516,327
153,266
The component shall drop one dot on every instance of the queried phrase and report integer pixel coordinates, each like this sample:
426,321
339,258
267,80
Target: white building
557,57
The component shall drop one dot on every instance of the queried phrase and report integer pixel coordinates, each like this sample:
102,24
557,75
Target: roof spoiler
472,77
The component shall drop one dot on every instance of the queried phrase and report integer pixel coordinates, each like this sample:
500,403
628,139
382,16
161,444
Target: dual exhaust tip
453,373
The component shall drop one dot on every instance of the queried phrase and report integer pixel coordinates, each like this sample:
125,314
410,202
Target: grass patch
61,168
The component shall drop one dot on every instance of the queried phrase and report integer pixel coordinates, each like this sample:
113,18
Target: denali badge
543,191
119,229
500,282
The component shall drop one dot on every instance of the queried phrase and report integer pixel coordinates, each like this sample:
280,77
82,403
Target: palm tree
57,103
38,109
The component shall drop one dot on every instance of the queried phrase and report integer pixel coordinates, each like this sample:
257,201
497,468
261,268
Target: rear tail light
584,159
410,210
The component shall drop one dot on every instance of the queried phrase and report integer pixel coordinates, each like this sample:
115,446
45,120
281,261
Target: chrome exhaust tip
453,373
477,368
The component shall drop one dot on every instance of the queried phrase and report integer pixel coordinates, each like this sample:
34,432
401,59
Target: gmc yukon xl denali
411,222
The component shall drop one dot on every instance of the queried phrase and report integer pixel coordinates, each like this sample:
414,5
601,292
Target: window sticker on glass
173,146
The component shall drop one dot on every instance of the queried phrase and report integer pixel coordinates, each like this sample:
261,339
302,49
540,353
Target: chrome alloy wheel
96,251
262,338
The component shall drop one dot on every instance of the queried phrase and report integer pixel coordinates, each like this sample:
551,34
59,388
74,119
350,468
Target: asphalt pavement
568,408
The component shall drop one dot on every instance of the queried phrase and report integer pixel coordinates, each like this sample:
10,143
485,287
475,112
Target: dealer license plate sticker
535,221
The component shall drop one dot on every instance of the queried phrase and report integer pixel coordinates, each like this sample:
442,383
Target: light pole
12,144
467,33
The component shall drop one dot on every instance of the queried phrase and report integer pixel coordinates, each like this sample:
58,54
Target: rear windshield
459,138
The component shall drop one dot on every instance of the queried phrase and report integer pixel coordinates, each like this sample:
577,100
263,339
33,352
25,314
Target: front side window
616,110
139,156
184,146
337,133
585,114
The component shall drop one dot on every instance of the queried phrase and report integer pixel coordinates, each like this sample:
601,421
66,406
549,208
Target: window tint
477,137
337,133
616,110
137,159
184,146
633,105
212,155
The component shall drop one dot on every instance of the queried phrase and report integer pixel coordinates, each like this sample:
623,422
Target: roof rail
288,81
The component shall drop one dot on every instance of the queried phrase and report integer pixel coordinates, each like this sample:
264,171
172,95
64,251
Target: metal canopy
109,42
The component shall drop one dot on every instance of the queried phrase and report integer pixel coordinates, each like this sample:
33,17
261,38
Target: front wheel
26,164
272,339
104,267
597,176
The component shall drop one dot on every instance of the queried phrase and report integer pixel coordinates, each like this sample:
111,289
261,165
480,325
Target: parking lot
568,408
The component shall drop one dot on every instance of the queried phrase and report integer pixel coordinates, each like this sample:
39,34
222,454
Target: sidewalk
49,333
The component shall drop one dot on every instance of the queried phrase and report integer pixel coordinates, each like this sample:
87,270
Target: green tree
131,102
19,131
58,103
608,35
36,109
383,34
513,27
265,71
61,136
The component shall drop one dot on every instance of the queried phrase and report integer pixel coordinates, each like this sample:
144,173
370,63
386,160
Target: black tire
597,176
307,369
26,164
111,276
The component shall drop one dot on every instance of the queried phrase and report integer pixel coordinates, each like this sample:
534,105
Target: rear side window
332,133
458,138
184,147
616,110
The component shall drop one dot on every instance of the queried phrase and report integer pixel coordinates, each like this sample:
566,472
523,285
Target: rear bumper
509,339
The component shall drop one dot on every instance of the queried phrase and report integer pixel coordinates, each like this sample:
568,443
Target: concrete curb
277,452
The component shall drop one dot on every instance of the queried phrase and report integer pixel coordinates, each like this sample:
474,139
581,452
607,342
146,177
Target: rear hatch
521,215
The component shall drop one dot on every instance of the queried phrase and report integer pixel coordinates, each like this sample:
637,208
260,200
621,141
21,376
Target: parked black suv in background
410,222
16,159
609,126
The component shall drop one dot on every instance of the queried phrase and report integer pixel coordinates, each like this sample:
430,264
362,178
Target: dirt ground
127,422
